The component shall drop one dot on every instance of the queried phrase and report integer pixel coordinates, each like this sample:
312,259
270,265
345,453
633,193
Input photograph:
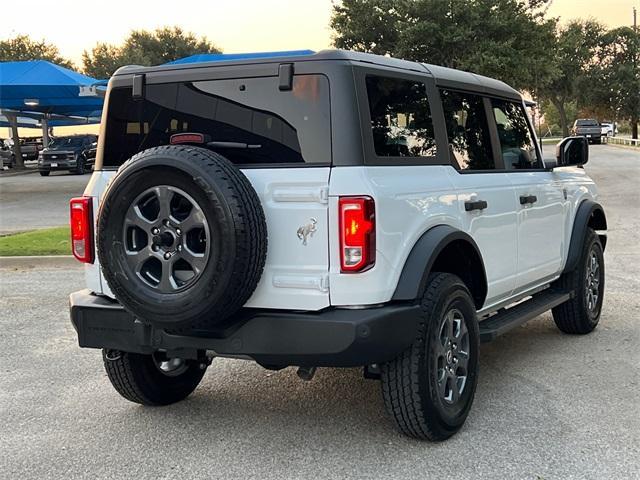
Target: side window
467,130
400,117
516,141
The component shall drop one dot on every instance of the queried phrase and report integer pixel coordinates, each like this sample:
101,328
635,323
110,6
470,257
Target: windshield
67,142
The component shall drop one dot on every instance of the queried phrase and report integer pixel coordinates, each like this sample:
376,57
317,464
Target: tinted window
516,141
400,118
281,127
587,123
68,142
467,130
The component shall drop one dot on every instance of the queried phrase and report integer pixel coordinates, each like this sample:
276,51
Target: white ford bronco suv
330,209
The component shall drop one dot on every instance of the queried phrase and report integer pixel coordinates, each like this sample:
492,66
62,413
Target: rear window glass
401,120
587,123
281,127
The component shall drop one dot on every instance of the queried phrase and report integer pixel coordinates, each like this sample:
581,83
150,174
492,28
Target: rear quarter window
401,122
282,127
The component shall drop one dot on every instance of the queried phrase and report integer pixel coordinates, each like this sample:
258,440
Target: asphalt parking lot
548,405
31,201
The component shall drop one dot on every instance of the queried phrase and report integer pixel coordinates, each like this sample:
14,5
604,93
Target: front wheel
581,314
44,173
429,388
80,167
152,379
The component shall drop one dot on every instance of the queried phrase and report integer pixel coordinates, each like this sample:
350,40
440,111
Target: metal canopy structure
42,94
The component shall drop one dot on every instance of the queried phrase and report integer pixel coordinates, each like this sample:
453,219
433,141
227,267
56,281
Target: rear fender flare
422,257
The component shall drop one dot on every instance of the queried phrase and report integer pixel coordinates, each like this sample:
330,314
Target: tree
615,77
573,49
142,47
507,39
22,47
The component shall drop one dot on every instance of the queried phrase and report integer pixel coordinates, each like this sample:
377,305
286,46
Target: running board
510,318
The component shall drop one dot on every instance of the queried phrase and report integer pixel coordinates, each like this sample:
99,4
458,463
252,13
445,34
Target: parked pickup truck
331,209
588,128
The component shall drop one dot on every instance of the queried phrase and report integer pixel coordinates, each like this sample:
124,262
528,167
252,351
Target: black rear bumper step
332,337
508,319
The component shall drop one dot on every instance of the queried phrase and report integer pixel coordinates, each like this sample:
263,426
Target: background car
608,129
75,153
589,128
30,147
7,155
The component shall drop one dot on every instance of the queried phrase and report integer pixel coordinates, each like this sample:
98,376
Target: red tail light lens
82,228
357,234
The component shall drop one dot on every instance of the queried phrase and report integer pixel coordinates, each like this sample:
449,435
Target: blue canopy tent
221,57
41,86
45,91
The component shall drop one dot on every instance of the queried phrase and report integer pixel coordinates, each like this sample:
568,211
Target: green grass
48,241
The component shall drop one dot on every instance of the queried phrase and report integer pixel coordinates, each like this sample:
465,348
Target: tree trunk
634,127
559,104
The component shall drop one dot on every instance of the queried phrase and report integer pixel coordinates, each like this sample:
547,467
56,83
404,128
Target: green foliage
552,117
506,39
614,77
142,47
573,48
49,241
22,47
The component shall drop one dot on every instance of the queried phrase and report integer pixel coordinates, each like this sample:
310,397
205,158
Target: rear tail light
82,228
357,234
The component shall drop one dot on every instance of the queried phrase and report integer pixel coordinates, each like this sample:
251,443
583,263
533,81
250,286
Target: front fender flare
586,211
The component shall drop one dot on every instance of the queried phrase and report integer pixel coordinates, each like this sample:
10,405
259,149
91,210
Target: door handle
475,205
528,199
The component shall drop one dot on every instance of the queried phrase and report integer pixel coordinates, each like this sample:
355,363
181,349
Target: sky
234,26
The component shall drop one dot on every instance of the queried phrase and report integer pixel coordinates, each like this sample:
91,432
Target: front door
539,196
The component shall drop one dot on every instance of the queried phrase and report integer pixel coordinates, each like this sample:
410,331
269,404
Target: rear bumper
332,337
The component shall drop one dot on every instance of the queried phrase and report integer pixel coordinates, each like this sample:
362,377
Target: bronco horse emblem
307,231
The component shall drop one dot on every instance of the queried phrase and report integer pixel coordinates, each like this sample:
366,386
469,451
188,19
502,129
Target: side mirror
572,151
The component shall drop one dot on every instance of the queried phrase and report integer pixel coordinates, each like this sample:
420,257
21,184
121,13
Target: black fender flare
424,253
586,210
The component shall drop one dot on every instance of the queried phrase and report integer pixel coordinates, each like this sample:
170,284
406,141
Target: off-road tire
137,378
238,246
44,173
574,316
410,382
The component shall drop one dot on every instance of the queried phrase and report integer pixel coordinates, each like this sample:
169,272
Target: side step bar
510,318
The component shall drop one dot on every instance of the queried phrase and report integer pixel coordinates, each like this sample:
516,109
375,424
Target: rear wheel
152,379
581,314
428,389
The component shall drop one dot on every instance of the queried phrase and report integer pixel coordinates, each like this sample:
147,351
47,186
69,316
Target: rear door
486,198
280,139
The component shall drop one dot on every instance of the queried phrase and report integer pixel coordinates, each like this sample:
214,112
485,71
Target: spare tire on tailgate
182,237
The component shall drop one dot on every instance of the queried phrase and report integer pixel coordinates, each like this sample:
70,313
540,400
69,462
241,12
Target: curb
22,262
